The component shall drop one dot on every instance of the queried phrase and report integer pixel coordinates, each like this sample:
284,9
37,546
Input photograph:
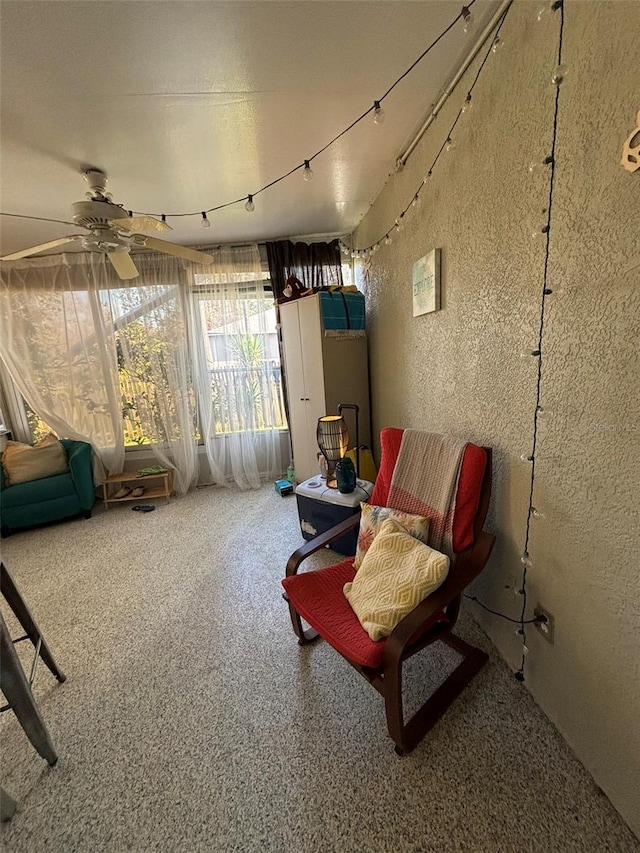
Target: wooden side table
134,480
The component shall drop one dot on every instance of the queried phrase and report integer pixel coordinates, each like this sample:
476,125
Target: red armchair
318,597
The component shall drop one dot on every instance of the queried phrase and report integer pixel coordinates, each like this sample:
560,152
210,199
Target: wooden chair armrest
467,567
320,541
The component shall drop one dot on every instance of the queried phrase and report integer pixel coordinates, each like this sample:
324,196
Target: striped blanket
425,482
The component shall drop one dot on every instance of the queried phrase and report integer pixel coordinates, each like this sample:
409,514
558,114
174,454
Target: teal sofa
50,498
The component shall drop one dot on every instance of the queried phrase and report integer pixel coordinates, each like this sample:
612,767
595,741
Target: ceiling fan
112,231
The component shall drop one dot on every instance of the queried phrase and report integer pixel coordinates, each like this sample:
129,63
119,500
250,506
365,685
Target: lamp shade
333,438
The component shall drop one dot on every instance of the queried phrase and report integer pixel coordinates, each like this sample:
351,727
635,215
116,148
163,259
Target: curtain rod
484,35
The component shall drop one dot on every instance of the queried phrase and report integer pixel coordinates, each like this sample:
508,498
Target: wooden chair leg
303,636
14,685
408,735
23,615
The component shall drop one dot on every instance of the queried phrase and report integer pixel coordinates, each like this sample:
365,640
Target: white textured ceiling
187,105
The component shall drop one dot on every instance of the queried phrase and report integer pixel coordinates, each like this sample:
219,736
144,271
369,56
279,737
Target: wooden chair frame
417,629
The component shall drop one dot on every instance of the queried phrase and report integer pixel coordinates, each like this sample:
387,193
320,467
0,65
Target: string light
468,103
250,206
539,232
497,44
398,225
205,222
378,117
388,240
559,73
538,166
378,113
416,200
540,411
307,172
467,18
449,143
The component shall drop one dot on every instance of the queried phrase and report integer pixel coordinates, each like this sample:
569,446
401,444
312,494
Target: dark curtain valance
315,264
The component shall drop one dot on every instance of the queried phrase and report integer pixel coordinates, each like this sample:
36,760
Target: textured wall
459,370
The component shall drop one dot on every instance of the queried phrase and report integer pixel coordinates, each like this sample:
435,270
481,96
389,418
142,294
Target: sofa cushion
318,598
23,463
397,573
37,491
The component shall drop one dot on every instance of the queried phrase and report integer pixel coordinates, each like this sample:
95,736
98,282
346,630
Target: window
237,322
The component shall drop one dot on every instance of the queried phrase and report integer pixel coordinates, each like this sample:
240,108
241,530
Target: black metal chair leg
14,685
23,615
7,806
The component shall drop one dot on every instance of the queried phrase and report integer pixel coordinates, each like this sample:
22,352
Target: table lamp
333,440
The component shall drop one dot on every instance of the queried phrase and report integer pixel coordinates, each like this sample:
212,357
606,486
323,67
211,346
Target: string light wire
448,137
331,142
558,6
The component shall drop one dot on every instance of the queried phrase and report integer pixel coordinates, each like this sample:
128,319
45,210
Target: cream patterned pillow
397,573
371,520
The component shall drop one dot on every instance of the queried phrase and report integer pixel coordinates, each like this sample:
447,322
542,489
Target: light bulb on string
450,144
559,73
467,18
388,240
530,353
497,44
540,232
205,222
416,200
526,458
544,12
536,167
525,650
378,113
398,225
250,206
468,104
307,172
542,412
520,632
537,513
526,560
427,177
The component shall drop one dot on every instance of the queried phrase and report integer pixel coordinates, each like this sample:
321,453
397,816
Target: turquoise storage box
342,311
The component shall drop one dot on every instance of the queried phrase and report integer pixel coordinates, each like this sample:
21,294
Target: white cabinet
321,372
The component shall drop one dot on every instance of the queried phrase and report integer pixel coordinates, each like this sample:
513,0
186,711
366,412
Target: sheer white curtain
58,345
237,368
154,365
104,360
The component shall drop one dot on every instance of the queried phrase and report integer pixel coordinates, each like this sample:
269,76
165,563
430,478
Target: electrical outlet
546,623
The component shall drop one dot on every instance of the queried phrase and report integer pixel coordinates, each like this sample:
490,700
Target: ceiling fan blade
141,223
123,265
34,250
179,251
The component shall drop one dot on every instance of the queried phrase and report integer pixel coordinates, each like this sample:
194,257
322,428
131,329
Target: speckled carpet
192,721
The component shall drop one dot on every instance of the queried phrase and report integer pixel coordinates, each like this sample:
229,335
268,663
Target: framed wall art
426,284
